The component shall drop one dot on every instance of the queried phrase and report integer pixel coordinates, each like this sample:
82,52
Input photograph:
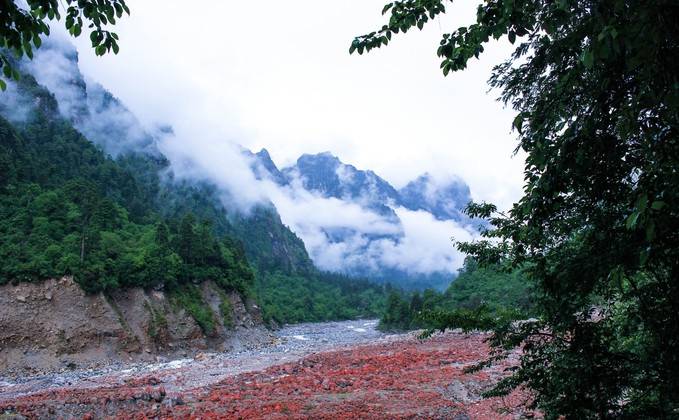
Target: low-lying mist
343,235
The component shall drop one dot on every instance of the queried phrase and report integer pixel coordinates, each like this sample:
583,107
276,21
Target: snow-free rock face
444,200
326,175
264,168
362,247
54,324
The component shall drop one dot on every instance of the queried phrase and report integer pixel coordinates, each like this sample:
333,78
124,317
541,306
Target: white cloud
200,157
98,115
278,75
415,242
427,245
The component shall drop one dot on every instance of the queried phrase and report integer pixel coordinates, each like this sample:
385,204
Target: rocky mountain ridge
325,176
269,242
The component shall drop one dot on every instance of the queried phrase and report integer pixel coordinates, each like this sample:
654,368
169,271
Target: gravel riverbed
333,371
291,343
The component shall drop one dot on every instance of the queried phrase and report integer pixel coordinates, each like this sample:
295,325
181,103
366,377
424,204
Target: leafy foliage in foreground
596,90
22,26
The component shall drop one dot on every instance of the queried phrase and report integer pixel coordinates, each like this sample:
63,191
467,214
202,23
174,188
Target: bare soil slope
53,325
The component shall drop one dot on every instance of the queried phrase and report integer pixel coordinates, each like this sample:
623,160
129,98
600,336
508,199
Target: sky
278,75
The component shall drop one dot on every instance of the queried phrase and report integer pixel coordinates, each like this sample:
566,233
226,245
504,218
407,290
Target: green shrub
226,309
158,324
188,297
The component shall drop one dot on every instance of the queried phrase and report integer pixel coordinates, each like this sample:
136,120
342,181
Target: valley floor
328,370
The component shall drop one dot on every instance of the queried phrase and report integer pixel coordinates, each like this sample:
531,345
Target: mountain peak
264,167
264,154
323,158
443,198
425,177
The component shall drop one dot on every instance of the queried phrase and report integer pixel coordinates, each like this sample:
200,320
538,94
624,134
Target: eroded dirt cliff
54,325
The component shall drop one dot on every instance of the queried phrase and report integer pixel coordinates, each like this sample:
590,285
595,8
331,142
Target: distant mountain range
272,242
325,175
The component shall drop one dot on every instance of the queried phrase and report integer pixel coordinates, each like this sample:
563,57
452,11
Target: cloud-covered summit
99,115
444,199
351,220
354,221
326,175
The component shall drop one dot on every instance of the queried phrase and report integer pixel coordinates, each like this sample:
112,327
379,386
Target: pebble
316,337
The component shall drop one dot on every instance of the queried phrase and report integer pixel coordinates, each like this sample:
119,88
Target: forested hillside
476,293
69,210
66,208
317,297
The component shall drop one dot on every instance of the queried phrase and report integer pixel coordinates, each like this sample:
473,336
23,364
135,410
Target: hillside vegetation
68,209
477,294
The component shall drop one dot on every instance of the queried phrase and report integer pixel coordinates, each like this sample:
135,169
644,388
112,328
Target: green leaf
643,257
387,7
446,68
650,231
587,58
632,220
642,203
518,123
3,85
658,205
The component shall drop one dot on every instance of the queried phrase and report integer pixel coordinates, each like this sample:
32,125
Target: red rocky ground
407,378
